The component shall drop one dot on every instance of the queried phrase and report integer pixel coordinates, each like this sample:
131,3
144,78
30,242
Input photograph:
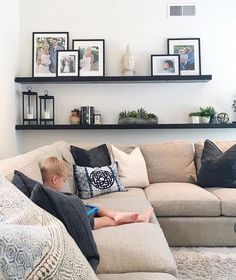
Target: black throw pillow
95,157
23,183
218,169
70,210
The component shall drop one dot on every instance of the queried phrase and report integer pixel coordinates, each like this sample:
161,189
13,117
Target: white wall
145,25
9,49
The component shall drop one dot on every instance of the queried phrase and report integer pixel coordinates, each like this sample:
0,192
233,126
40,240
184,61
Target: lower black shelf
128,126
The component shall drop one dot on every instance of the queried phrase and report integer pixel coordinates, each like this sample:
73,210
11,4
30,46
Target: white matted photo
67,63
92,56
190,54
45,47
165,65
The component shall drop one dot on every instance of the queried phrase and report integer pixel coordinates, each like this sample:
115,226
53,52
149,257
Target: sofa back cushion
29,164
222,145
24,163
169,162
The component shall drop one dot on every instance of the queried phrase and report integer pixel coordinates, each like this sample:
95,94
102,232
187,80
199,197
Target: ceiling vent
179,10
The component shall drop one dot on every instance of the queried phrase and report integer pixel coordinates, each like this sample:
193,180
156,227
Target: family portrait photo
67,63
189,51
92,56
45,47
165,65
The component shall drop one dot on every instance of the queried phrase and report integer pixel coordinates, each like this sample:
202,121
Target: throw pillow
218,169
95,157
23,183
70,210
132,168
96,181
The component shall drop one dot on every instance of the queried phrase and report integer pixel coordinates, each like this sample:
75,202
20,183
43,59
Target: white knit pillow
132,168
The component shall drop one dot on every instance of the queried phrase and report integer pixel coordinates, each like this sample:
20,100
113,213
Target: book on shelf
87,114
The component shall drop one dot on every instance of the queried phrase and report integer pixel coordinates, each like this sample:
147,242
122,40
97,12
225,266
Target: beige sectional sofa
185,214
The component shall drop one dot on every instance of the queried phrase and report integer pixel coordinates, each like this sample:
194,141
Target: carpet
202,263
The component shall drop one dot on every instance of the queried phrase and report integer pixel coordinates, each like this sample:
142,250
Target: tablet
91,210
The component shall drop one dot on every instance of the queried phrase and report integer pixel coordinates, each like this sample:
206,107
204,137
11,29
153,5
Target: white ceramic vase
194,119
204,119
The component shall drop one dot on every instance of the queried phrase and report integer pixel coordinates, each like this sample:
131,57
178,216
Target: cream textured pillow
132,168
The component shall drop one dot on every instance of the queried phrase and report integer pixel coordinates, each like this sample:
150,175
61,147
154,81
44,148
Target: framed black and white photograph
45,47
190,54
92,56
165,65
67,63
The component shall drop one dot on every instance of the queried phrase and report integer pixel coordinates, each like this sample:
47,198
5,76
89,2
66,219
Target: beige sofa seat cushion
227,197
134,247
182,199
131,192
222,145
169,162
124,204
137,276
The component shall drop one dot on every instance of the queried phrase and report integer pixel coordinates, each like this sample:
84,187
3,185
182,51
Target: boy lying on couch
55,173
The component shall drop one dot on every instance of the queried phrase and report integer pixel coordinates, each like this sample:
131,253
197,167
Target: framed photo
45,47
165,65
190,54
92,56
67,63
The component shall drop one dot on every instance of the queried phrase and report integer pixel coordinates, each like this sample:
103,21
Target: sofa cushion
95,157
182,199
132,168
134,247
97,181
137,276
123,203
218,169
37,241
69,209
222,145
169,162
23,163
130,192
23,183
227,197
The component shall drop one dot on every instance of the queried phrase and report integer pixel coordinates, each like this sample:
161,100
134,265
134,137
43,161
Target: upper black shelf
128,126
114,79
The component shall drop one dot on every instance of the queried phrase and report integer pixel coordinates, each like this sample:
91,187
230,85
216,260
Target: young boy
55,173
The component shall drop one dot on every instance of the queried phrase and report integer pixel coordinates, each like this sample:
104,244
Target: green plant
141,113
194,114
207,112
152,116
122,115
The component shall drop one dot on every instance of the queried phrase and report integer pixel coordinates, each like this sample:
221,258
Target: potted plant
194,117
137,117
207,114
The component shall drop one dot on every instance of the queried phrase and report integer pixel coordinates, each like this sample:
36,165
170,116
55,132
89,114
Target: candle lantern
29,106
46,111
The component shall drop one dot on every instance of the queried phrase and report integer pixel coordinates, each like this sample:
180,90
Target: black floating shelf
113,79
123,126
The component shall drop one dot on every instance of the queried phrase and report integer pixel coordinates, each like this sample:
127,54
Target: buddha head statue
128,62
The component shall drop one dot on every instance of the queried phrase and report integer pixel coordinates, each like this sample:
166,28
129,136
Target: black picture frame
41,40
165,65
96,53
189,50
72,68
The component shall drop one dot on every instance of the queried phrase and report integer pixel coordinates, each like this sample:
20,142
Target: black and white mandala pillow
96,181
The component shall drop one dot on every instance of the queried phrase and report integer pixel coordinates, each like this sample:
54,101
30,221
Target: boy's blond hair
53,166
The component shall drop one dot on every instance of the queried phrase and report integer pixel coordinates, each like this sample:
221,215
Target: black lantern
46,103
30,106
